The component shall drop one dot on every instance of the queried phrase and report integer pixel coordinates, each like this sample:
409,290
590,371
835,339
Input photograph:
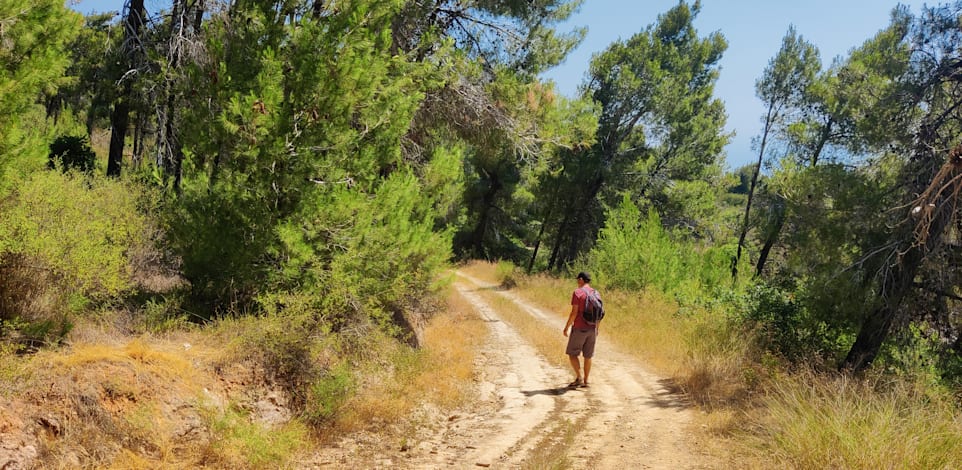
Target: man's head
583,278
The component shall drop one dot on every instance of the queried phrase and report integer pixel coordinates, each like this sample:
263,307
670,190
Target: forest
308,172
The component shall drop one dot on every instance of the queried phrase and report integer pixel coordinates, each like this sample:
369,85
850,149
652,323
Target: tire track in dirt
626,419
630,418
511,368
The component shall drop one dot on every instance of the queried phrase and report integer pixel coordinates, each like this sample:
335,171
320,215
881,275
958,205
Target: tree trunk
875,329
769,119
54,105
199,16
118,133
174,155
487,202
562,230
537,243
898,280
770,240
138,140
120,116
90,123
823,139
576,232
214,170
544,223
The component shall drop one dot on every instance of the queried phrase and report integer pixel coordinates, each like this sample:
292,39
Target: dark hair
583,276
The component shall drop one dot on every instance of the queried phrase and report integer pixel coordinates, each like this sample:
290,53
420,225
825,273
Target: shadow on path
671,396
549,391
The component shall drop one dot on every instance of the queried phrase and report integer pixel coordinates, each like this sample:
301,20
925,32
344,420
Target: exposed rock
51,424
18,448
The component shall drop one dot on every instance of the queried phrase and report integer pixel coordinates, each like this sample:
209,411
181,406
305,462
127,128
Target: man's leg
576,365
587,368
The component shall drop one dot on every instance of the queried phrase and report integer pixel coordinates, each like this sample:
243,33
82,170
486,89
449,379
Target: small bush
285,342
79,230
236,442
917,354
164,315
786,325
64,245
507,274
70,152
327,395
11,367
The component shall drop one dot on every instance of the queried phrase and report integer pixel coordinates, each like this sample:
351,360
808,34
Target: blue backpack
594,307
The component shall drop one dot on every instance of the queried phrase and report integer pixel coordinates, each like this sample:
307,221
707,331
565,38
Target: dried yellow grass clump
440,372
816,421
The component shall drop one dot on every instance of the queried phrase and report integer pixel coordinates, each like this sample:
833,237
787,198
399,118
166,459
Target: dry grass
815,421
552,451
146,404
145,358
440,373
451,342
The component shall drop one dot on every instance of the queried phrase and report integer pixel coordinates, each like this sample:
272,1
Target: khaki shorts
582,342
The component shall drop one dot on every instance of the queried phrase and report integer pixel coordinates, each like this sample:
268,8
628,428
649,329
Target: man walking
581,341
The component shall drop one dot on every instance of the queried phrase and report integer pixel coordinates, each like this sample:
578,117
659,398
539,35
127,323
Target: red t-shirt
578,298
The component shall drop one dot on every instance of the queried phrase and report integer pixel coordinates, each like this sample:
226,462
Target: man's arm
571,318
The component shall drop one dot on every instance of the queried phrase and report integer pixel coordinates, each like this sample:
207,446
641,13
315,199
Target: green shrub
237,442
222,241
36,39
634,252
164,315
787,325
361,256
64,243
284,340
776,313
70,152
328,394
918,354
507,274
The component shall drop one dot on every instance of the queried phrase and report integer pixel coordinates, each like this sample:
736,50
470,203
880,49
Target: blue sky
753,28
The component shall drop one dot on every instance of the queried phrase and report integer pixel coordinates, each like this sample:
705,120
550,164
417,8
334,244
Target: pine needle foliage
33,57
295,183
635,252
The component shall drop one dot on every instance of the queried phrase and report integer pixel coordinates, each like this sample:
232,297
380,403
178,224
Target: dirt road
529,418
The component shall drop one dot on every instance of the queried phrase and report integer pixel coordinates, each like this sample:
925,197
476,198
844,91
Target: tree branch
939,292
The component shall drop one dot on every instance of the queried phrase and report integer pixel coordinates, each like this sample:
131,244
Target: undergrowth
817,421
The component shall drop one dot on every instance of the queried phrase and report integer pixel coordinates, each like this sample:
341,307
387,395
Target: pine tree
658,124
295,185
32,62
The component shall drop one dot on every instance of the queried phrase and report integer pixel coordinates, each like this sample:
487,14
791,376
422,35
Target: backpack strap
585,306
587,291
